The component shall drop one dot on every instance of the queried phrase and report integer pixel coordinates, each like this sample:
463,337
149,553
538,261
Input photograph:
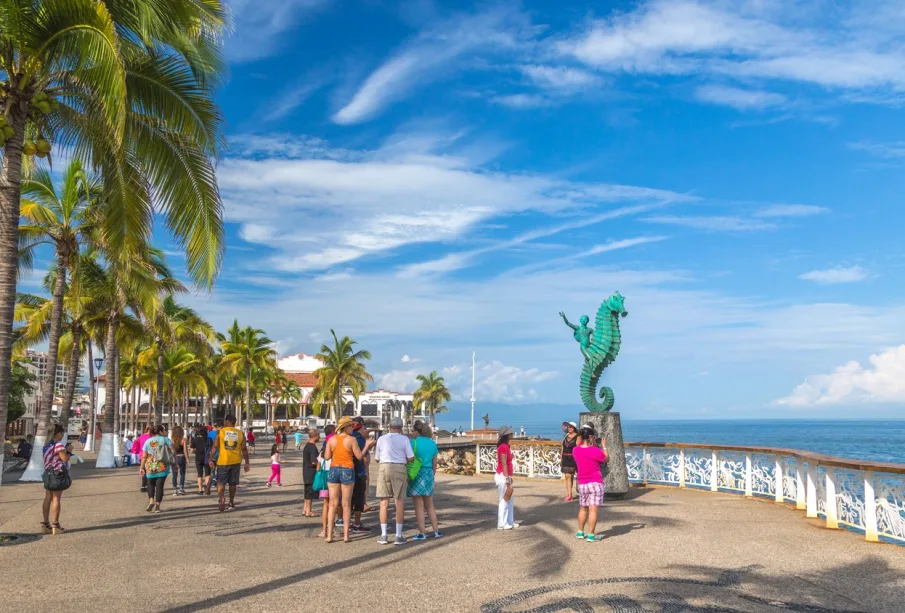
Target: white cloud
885,151
829,276
262,26
882,381
522,101
790,210
366,202
856,48
405,359
717,223
559,78
291,99
739,99
431,56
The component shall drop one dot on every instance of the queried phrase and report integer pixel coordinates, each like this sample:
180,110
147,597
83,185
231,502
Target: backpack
415,465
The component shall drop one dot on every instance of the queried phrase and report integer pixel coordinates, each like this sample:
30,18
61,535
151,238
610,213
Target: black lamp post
98,362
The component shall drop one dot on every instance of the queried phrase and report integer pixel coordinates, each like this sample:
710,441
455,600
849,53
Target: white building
61,379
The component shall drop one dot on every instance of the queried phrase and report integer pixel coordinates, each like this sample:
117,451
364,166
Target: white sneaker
506,527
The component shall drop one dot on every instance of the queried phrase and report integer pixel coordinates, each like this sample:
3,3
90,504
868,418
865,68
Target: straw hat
344,422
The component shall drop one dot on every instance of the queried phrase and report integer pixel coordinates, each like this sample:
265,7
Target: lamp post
98,362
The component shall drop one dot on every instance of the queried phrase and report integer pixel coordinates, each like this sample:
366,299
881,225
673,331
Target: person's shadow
614,531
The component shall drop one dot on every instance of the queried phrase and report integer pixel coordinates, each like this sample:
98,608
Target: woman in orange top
340,450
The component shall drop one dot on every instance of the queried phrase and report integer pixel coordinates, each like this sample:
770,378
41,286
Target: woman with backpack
156,458
201,446
589,458
56,479
421,486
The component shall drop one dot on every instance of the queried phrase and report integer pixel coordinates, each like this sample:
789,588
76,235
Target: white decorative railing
868,497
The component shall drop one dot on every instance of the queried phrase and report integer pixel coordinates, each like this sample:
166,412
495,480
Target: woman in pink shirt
503,480
588,459
137,448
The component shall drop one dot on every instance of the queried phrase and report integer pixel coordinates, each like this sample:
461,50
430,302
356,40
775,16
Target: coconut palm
343,368
129,86
252,350
432,394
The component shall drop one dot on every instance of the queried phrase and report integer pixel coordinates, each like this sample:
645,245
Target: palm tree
130,86
343,368
252,351
432,394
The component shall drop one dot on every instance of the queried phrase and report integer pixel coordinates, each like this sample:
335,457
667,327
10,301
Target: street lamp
98,362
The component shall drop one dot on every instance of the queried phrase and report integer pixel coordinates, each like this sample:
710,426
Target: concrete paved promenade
664,550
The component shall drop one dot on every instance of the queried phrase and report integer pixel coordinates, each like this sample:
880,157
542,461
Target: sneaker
176,493
231,507
382,540
515,524
506,527
359,529
579,535
399,540
143,489
279,485
593,538
157,510
438,535
268,485
419,537
338,523
150,507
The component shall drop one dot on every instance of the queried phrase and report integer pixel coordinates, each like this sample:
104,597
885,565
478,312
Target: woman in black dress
568,462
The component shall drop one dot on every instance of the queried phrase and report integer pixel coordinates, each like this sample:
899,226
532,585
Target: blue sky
435,178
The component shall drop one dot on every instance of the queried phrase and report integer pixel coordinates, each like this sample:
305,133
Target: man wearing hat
393,452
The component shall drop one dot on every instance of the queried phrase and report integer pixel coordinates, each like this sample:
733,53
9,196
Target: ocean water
878,441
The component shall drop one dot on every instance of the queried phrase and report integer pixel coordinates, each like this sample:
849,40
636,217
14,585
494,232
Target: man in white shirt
393,452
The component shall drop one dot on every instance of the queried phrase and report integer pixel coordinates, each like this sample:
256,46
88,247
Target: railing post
715,471
800,497
644,465
749,476
870,509
777,474
832,516
681,468
811,500
477,459
531,451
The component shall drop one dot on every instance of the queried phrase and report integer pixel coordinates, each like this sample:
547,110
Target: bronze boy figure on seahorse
599,346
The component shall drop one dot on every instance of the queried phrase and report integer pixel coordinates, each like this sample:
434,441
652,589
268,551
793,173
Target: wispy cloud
261,27
715,223
291,99
522,101
431,56
829,276
790,210
740,99
885,151
559,78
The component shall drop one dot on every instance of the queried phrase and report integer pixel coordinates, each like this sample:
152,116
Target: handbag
57,480
415,465
320,478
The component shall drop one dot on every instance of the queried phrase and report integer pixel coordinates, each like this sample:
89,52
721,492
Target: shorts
590,494
392,481
203,468
358,494
229,474
310,492
342,475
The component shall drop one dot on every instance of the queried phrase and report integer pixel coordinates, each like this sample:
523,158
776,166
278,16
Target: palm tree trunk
74,364
158,396
117,416
10,192
105,457
53,345
248,416
92,397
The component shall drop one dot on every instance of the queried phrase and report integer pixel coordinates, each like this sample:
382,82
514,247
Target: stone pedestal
608,426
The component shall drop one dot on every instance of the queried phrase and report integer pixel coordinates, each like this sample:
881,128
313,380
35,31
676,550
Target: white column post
644,465
531,451
777,474
871,532
832,516
714,471
800,497
681,468
477,459
811,500
749,476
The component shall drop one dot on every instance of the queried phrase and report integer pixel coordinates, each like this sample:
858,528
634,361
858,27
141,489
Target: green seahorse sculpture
599,346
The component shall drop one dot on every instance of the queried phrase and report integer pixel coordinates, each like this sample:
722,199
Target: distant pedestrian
503,480
421,489
393,452
310,459
127,449
274,466
25,446
201,446
180,446
342,450
298,440
589,459
230,449
138,449
56,479
155,467
83,437
567,465
278,436
251,441
285,438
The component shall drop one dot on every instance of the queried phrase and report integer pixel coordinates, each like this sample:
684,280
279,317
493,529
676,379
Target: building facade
61,378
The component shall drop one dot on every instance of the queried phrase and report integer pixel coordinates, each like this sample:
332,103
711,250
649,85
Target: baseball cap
396,422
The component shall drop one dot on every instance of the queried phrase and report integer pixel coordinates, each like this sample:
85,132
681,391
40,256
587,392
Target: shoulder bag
415,465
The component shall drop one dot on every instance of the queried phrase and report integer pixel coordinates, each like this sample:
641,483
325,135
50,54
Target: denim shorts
339,474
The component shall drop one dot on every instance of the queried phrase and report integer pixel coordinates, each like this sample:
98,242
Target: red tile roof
302,379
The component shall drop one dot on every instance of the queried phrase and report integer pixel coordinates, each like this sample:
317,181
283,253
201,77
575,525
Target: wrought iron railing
868,497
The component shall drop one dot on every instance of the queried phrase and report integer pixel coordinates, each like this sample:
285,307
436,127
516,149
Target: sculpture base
609,426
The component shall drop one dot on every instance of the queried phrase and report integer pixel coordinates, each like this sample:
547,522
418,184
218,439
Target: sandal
569,499
45,528
57,529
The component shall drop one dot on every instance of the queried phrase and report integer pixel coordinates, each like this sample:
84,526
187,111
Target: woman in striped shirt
56,457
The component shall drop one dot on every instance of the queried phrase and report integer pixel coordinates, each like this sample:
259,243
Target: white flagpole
472,389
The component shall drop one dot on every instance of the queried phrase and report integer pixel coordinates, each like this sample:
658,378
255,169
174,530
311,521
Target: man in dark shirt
25,446
359,492
310,461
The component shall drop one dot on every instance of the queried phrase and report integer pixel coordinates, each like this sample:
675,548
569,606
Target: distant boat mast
472,389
